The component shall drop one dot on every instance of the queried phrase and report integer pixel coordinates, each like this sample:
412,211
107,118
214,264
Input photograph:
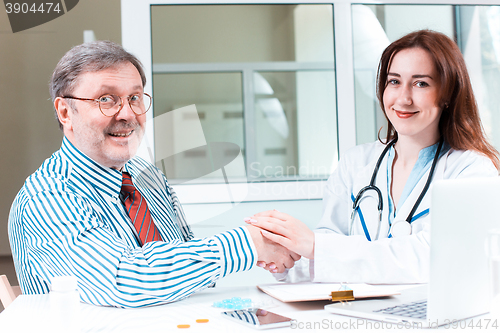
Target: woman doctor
375,223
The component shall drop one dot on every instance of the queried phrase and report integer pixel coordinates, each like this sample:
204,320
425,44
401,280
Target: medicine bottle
64,303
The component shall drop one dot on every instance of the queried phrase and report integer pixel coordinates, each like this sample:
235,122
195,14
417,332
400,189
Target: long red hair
460,124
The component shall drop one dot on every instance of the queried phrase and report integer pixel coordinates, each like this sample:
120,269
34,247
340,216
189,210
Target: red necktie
138,211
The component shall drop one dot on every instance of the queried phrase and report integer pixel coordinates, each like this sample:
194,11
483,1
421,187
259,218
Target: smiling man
111,136
95,211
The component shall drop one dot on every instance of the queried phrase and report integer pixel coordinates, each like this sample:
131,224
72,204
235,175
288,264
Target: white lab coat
342,258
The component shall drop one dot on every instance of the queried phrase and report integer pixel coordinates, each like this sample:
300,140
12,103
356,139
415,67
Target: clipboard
310,291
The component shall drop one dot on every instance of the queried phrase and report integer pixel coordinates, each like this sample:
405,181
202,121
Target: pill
202,320
183,326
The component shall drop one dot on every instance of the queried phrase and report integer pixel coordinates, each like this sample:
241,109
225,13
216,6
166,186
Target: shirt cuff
324,252
237,251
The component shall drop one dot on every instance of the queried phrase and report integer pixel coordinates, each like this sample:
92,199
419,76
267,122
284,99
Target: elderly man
96,212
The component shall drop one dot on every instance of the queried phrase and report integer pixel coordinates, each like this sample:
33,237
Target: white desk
32,314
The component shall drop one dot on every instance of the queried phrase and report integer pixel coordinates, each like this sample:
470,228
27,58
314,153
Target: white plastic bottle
65,304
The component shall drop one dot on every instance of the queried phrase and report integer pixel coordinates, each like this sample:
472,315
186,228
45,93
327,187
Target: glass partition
295,128
479,38
261,77
218,99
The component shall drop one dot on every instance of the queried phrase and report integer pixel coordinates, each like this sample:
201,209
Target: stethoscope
401,227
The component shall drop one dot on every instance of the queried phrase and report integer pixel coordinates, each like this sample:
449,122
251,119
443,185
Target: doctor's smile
404,114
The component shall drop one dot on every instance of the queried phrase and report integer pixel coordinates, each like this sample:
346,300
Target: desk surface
32,314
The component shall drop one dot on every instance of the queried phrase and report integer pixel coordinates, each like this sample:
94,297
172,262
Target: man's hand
271,253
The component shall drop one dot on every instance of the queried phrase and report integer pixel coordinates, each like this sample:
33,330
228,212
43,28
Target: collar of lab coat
403,211
368,205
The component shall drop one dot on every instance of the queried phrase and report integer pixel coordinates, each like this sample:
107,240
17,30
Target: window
259,76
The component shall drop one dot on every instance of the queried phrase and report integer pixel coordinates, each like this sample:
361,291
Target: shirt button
114,200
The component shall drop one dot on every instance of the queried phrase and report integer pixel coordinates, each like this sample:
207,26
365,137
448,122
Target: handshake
280,240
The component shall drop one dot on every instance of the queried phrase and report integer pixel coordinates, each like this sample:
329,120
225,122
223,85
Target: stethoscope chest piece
400,228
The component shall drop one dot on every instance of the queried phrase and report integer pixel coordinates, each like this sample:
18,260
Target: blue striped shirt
68,219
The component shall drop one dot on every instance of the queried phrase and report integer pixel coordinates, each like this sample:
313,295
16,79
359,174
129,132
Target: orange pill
202,320
183,326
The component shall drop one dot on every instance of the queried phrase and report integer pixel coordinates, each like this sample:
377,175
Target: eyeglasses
110,105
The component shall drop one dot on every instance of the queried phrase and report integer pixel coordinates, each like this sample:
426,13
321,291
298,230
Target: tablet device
258,318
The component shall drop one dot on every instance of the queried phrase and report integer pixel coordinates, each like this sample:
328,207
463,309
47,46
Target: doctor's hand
286,231
271,254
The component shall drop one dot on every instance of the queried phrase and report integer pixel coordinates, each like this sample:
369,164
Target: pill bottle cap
63,283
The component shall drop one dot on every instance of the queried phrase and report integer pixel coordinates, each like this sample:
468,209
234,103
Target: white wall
28,131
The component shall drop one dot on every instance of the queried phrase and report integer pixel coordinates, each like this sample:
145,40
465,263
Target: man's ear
64,113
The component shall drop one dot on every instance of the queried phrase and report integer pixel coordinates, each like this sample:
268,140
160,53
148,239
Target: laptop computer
462,212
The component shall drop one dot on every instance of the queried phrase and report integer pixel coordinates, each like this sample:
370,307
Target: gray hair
88,57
